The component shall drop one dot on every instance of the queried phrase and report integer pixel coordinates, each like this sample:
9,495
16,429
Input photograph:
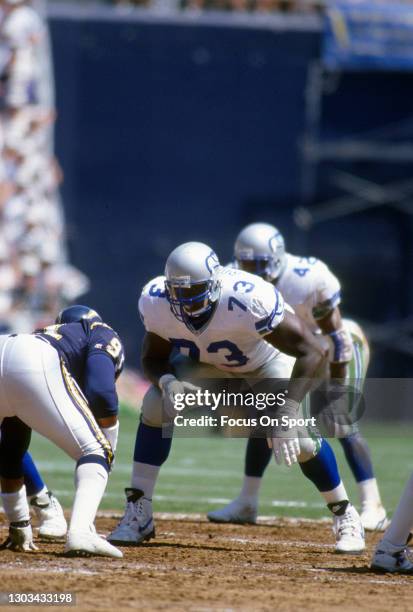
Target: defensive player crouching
313,291
39,390
231,324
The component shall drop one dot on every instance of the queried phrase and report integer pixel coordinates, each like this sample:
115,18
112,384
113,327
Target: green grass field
204,473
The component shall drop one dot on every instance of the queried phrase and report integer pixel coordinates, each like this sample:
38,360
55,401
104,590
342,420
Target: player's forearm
308,369
153,369
340,343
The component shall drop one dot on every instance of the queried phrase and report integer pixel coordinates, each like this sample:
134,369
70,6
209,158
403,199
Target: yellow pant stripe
80,401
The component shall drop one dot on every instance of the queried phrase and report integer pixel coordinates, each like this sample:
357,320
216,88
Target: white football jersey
248,309
309,287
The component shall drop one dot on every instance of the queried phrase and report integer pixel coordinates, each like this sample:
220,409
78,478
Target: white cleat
238,511
49,513
88,544
349,532
20,538
137,525
392,559
374,517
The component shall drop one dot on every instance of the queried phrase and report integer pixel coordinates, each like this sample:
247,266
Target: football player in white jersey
226,323
313,291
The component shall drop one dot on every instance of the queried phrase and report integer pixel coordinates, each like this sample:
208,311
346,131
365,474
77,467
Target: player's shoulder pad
153,302
307,273
104,339
308,277
253,299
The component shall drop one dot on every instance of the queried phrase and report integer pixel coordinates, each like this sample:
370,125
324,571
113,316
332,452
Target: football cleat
20,538
238,511
374,517
89,544
137,525
349,531
49,513
390,558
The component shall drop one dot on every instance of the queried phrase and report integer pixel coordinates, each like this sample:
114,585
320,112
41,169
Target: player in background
225,323
391,553
313,291
43,375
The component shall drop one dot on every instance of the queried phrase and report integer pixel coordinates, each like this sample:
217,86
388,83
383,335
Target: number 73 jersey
248,309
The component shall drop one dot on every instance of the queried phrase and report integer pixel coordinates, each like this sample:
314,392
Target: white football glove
285,448
284,441
171,387
20,538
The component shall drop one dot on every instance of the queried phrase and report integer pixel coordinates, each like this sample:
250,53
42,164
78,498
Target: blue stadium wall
176,129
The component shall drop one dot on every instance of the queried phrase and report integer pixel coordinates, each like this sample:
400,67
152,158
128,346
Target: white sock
111,433
402,521
90,483
335,495
144,477
42,492
369,492
250,489
16,506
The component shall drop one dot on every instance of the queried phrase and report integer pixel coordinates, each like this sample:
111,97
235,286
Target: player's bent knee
308,449
103,460
151,411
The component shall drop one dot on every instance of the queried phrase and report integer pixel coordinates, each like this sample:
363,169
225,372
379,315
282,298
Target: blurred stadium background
184,120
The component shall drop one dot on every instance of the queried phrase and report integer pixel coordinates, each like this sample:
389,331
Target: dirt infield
198,566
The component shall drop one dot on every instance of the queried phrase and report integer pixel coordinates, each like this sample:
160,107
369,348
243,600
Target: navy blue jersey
75,342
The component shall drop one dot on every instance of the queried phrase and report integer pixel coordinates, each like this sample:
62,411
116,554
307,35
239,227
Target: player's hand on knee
285,449
173,391
284,439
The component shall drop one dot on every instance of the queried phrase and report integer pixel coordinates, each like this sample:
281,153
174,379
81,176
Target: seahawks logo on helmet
274,242
212,262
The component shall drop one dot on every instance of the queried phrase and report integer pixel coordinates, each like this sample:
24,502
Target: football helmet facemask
191,284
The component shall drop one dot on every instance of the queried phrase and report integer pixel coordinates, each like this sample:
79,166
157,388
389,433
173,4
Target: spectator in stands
34,284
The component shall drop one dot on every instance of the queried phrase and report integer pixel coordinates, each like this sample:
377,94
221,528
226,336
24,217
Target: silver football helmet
260,249
191,282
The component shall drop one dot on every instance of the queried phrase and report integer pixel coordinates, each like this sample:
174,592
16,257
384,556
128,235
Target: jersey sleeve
327,293
266,307
105,340
99,385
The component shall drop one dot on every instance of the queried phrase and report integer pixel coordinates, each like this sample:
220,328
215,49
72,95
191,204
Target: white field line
336,578
276,503
197,517
56,569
